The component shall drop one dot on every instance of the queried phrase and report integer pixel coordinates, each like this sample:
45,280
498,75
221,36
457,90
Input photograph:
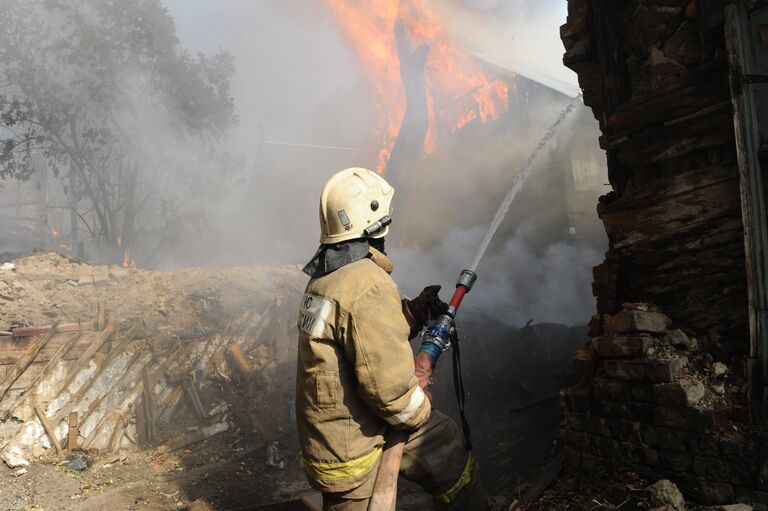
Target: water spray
437,338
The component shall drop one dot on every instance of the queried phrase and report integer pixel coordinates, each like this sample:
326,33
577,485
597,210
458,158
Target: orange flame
128,261
458,90
54,232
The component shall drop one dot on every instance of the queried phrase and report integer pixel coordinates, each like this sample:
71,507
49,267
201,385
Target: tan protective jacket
355,373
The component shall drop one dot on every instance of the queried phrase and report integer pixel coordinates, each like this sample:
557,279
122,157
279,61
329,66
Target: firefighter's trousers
435,459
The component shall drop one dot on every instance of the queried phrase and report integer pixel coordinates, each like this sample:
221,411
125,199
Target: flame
128,261
54,232
459,91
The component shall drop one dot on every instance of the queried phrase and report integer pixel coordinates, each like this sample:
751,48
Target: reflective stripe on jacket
355,373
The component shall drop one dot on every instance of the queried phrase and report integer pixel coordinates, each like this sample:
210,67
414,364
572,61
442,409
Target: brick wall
663,389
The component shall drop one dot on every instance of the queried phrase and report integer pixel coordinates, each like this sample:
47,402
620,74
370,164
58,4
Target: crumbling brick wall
665,396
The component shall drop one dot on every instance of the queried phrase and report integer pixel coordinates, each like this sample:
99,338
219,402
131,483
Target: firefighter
356,374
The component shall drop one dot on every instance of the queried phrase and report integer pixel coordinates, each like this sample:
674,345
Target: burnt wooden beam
62,327
409,144
48,429
23,363
80,364
73,432
44,372
149,410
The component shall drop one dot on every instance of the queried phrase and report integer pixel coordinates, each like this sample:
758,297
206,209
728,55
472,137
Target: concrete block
576,399
628,410
655,371
636,321
619,346
687,419
576,421
684,393
680,340
584,360
612,389
610,427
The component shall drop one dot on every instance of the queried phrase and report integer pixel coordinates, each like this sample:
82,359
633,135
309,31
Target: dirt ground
222,473
44,286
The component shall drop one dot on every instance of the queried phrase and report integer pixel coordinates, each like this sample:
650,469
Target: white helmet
355,203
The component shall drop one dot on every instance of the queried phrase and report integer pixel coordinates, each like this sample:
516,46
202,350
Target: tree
122,114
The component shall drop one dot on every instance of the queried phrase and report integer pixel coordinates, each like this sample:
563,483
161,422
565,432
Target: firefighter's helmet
355,203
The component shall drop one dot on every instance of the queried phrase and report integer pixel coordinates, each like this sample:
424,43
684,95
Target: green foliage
102,89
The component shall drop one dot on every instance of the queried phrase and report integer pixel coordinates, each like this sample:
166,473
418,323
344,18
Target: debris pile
154,379
653,398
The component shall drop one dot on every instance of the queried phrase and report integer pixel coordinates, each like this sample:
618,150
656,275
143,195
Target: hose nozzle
437,338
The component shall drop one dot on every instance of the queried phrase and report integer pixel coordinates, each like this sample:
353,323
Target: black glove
422,309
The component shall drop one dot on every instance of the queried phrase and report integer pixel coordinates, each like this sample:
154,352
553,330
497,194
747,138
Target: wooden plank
743,59
100,339
73,431
238,363
40,330
149,411
666,142
96,402
133,395
22,364
101,316
74,400
205,433
44,372
696,90
117,432
194,398
48,429
8,358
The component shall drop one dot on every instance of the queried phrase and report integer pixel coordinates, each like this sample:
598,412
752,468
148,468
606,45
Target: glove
419,311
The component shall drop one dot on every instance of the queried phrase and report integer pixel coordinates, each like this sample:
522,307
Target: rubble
13,457
664,408
666,493
124,378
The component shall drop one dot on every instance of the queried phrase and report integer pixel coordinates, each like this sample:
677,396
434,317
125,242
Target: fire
54,232
458,90
128,261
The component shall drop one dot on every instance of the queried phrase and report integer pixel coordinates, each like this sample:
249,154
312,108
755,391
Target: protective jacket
355,373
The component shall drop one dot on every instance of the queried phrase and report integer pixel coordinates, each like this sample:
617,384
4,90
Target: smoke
304,109
520,35
516,283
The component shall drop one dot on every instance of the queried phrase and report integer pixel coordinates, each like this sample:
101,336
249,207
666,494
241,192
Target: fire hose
439,337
